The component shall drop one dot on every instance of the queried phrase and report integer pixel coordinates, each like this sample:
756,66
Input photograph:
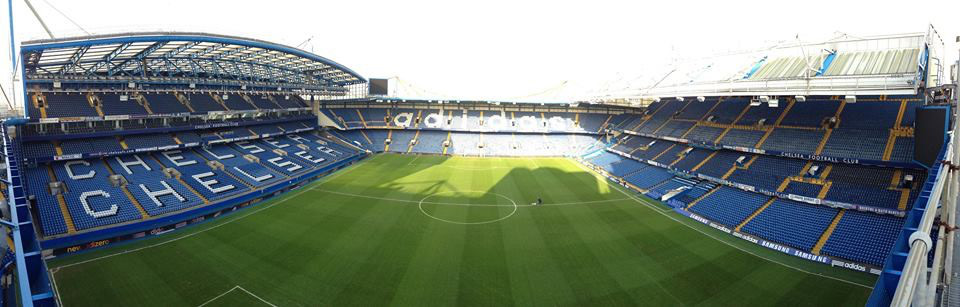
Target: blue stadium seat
648,177
69,105
51,219
742,138
90,198
863,237
794,140
204,103
263,102
729,206
156,193
810,113
210,183
111,105
792,223
90,145
165,104
149,140
704,134
237,103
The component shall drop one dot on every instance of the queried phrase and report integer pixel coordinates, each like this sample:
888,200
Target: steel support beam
138,58
107,59
74,60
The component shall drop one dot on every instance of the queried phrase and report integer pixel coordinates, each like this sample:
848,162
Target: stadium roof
181,55
895,64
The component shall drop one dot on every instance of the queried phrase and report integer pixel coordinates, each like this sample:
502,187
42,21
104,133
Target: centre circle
424,200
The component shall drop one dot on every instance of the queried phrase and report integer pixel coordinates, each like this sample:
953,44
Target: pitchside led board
378,87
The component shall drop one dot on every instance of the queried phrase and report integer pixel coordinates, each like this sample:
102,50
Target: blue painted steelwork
186,52
170,85
34,282
826,63
886,284
13,44
755,67
74,59
107,59
137,58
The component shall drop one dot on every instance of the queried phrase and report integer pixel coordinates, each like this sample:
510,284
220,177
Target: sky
499,49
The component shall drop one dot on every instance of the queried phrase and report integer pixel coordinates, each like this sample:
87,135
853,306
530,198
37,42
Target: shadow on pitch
413,177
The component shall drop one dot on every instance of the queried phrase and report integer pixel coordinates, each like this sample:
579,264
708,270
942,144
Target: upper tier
874,129
44,107
469,120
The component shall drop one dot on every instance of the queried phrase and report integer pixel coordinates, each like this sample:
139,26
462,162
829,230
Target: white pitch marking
256,296
420,205
414,160
241,289
476,205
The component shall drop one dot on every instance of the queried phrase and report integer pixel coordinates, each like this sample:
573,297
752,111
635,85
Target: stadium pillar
13,59
13,44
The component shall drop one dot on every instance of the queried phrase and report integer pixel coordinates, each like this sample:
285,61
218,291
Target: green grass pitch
432,230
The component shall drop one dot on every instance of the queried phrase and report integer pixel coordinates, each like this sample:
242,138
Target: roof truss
195,58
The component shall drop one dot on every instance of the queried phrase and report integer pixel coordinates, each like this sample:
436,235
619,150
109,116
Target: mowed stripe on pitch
329,249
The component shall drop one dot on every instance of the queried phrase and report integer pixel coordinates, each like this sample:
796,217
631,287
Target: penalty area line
233,289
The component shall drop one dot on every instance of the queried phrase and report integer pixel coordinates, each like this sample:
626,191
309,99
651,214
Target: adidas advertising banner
782,248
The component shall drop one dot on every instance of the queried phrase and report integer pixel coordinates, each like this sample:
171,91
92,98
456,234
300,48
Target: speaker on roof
850,98
764,99
124,97
773,103
800,98
657,99
701,98
243,87
679,98
755,102
225,97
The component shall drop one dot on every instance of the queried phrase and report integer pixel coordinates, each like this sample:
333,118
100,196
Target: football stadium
191,168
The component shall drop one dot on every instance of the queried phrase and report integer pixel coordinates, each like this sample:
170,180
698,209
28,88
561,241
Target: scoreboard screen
378,87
